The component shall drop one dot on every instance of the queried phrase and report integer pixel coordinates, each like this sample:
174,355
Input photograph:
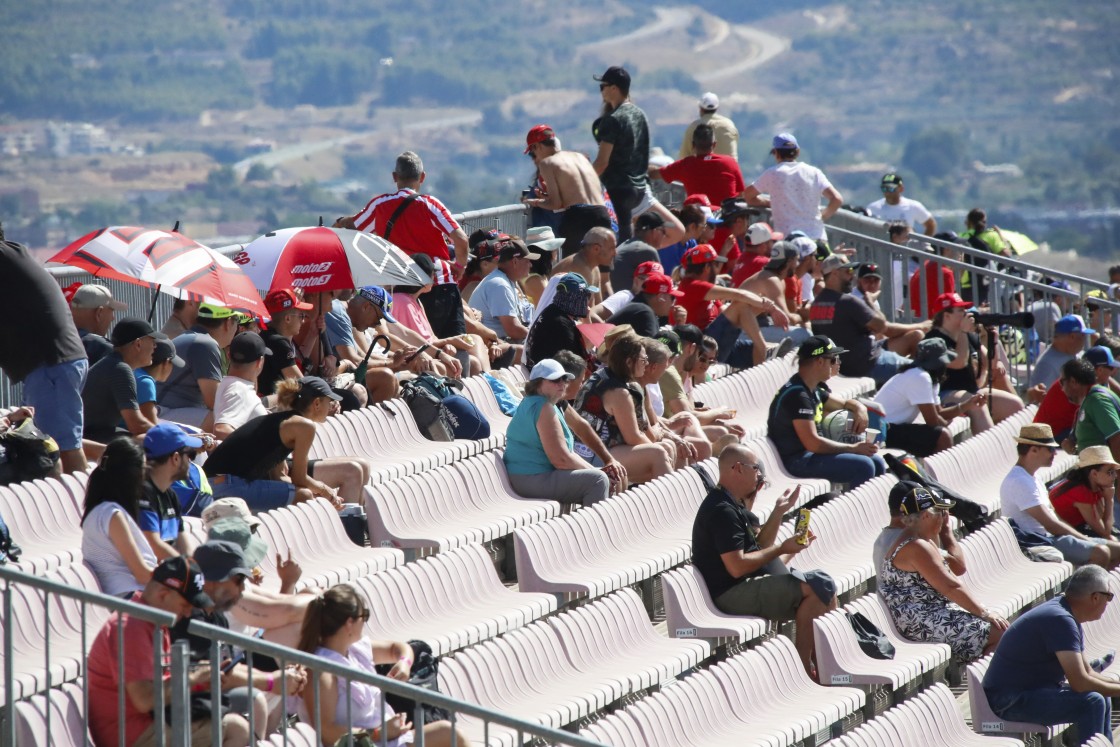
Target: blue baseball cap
167,438
380,298
785,141
1072,323
1099,355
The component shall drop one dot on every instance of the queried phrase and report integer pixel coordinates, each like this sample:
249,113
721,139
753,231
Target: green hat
237,531
213,311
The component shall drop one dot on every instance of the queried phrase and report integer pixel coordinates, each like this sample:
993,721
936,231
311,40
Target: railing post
9,669
180,695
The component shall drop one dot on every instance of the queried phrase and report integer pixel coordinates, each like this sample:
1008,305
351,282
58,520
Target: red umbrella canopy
170,262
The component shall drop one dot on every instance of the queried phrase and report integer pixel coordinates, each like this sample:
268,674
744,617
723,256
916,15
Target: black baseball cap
131,329
165,351
318,387
818,346
689,333
868,270
248,347
615,75
220,560
670,339
908,498
648,221
184,576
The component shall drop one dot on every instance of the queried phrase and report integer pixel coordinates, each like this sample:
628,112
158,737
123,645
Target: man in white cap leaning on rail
727,134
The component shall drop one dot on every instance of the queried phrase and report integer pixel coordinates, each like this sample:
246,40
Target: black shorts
576,221
918,439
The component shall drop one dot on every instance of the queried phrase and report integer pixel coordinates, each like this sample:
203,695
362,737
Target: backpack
29,453
424,396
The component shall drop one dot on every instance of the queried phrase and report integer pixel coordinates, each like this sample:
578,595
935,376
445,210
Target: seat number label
841,679
686,633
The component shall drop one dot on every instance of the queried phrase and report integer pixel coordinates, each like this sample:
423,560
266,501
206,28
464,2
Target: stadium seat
44,518
690,612
985,721
54,718
1001,577
478,391
313,534
450,600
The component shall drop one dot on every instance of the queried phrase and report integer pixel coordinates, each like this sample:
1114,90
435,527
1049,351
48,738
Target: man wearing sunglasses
169,450
892,206
1039,672
622,160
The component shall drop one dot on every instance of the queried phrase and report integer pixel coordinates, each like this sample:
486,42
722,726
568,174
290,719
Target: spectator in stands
939,278
93,307
869,284
505,309
1084,498
1098,416
622,133
683,428
733,325
757,252
168,450
925,598
914,391
188,396
176,587
1068,340
110,391
652,230
743,564
1024,502
443,303
573,187
164,361
43,350
1058,408
794,191
685,342
113,546
588,444
731,237
709,354
184,314
287,310
371,312
1040,674
651,307
621,297
699,227
968,373
770,282
703,171
892,206
335,630
837,314
798,409
251,462
1048,309
950,550
539,454
415,330
556,326
800,289
236,401
422,228
540,240
727,135
614,404
597,249
482,259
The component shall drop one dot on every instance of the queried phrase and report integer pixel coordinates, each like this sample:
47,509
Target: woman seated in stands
482,261
539,458
915,390
684,425
252,462
919,583
335,630
968,372
1084,498
112,544
612,401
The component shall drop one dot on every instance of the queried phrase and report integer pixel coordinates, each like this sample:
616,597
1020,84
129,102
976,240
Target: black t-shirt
44,334
96,346
722,525
284,355
959,378
444,306
844,318
553,331
627,130
110,388
629,255
200,646
638,315
251,451
793,402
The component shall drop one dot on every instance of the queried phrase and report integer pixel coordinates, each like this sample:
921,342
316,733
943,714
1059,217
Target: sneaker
784,348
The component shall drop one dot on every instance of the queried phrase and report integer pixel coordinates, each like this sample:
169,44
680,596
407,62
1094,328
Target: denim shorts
260,495
56,394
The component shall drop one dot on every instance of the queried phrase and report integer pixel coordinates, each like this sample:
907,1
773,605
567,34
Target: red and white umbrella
325,259
168,262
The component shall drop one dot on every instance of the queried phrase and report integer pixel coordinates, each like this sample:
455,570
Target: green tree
935,152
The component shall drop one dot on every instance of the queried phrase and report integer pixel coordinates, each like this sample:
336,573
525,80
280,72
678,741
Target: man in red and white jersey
418,224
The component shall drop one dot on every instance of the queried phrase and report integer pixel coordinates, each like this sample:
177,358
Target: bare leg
348,475
74,460
381,384
439,735
644,462
1005,404
811,608
978,417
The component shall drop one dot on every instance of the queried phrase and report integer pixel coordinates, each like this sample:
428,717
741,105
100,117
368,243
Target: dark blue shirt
1025,658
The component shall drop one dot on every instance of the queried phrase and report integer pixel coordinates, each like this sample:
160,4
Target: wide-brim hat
1036,434
1095,456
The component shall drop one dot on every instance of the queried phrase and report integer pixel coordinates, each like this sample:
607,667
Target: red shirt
700,312
930,269
713,175
1056,411
748,266
422,228
1065,505
793,292
720,238
138,663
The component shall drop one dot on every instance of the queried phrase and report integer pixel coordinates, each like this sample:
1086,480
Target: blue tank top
524,454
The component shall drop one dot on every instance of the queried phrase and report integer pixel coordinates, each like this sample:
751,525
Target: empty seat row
559,670
759,697
1001,577
450,600
44,518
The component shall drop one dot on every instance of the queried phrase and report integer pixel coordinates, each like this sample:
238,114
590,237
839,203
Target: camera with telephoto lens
1022,320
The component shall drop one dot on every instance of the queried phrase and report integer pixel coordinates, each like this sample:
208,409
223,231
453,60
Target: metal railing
178,664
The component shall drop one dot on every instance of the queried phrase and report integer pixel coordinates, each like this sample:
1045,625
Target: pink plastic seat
52,718
44,518
690,612
984,719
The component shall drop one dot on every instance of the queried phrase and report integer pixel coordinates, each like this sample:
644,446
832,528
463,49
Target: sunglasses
604,85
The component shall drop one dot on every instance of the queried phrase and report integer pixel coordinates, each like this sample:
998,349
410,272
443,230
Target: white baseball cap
709,102
550,370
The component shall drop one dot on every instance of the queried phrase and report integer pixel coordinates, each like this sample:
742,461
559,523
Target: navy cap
248,347
318,387
1099,355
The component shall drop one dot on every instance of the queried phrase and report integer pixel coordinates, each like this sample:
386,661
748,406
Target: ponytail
326,614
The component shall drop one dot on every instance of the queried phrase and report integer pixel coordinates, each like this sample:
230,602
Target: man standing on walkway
794,191
727,135
893,206
425,227
623,157
704,172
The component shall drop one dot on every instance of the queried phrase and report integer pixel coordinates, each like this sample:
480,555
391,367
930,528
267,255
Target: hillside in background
1009,104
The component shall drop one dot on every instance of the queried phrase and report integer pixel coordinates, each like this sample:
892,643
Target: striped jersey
424,226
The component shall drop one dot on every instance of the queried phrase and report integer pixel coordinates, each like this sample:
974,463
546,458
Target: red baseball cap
283,300
701,254
660,283
950,301
698,199
538,134
649,268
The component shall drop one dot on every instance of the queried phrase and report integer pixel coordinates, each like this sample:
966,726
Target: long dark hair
118,477
1076,478
327,613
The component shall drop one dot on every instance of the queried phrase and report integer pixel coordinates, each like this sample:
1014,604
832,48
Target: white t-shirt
656,399
103,557
903,392
1022,490
807,281
910,211
236,402
795,197
617,300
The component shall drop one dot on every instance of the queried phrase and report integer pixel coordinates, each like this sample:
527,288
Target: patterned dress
921,613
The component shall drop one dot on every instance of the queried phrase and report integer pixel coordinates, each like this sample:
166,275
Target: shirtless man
597,249
770,282
569,184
